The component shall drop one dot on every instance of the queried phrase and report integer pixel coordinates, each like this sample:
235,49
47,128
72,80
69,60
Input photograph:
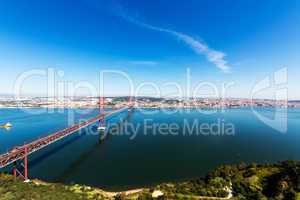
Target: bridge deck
20,152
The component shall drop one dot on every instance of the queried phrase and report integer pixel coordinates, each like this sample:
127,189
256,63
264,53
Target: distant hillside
269,181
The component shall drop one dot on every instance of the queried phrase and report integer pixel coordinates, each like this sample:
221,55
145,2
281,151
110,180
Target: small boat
7,125
101,128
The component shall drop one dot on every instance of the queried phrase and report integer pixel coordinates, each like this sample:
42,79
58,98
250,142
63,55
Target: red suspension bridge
21,153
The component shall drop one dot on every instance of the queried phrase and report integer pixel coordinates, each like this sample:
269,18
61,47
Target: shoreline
149,107
256,178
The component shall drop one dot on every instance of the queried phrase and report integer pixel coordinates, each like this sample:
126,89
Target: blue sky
219,41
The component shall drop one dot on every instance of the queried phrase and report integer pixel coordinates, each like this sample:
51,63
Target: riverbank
146,107
277,181
36,189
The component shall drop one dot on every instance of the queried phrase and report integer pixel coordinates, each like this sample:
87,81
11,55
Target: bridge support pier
15,170
26,164
21,169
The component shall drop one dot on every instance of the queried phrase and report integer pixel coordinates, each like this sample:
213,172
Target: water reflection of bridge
73,167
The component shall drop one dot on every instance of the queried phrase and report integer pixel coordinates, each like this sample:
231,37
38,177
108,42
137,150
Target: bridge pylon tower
102,124
131,103
20,169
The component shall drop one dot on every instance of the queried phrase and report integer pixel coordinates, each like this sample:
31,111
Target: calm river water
148,148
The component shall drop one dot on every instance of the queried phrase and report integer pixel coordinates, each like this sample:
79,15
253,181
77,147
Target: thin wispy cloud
212,55
143,62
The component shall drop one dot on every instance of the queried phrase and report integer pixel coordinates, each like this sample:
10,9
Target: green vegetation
11,189
269,181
